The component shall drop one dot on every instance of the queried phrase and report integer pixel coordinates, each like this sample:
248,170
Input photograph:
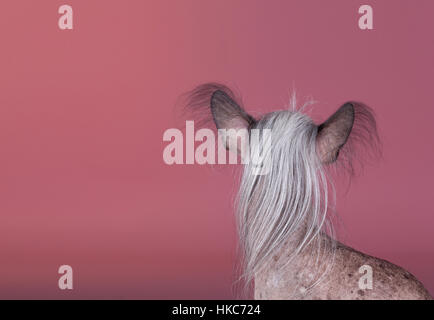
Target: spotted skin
390,282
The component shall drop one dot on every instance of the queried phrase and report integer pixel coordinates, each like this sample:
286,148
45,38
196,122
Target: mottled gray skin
341,282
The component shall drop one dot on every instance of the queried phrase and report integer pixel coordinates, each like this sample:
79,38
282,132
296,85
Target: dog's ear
227,114
231,120
217,103
334,133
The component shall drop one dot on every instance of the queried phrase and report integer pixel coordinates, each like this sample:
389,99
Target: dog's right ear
352,129
334,133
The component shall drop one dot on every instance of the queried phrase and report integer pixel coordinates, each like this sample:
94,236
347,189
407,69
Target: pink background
82,115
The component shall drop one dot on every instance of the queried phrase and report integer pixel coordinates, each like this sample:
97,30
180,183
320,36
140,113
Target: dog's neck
295,277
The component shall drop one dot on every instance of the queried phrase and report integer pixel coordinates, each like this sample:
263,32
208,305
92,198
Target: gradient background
82,115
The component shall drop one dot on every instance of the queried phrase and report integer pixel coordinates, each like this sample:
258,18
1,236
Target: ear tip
218,93
218,96
350,105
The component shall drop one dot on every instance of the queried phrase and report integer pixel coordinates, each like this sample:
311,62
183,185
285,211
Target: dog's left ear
227,114
230,117
334,133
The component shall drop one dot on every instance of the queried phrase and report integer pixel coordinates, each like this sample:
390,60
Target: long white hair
293,201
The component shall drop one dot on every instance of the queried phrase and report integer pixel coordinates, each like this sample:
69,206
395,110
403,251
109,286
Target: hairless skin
287,241
341,282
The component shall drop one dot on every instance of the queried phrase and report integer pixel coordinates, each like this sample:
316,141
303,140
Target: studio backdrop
85,103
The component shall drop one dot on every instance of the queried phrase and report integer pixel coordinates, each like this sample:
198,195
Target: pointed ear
227,114
334,133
